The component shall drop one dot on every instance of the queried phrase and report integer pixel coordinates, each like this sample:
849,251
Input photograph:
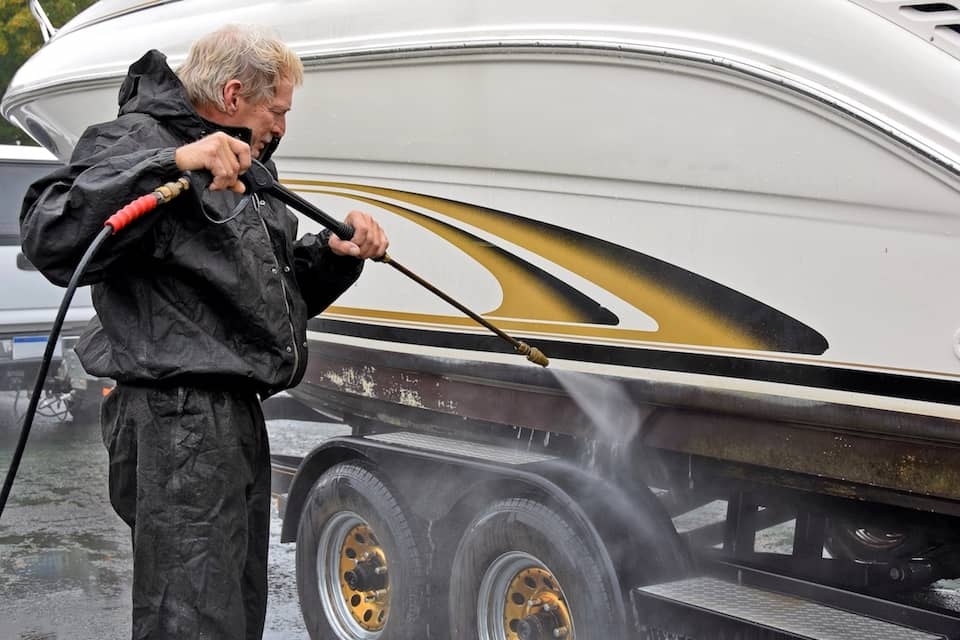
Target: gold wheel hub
364,581
534,598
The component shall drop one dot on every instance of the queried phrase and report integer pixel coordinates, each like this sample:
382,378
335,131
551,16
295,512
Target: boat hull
654,196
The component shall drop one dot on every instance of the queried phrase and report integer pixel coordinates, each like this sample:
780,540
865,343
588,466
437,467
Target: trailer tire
517,552
350,514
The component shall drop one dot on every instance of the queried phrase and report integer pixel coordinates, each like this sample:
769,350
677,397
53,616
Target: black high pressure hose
114,224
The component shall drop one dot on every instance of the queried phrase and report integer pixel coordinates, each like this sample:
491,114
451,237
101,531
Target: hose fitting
144,204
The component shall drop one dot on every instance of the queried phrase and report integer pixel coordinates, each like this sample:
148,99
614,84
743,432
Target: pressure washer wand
259,179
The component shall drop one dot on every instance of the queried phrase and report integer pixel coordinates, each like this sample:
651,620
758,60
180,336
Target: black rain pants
190,473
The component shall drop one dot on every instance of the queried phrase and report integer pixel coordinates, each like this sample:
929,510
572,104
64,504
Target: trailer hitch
258,179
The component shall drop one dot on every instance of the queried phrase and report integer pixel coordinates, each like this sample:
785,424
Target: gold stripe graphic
682,318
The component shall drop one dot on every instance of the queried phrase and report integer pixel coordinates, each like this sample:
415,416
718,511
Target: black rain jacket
180,298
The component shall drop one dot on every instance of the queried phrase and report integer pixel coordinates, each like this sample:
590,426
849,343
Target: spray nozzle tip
533,354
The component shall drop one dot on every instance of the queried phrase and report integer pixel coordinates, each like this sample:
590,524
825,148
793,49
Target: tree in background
19,39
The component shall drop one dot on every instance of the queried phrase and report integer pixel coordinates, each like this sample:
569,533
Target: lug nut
379,594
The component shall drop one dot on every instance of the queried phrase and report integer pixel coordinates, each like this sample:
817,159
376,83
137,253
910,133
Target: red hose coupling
132,211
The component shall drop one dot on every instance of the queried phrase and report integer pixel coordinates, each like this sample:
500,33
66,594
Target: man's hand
223,156
369,239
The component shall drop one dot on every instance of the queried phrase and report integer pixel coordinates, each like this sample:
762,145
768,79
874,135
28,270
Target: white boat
731,226
697,194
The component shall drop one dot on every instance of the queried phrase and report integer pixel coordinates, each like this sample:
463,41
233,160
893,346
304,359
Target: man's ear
231,95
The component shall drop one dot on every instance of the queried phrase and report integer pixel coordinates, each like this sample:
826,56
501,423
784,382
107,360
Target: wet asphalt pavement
65,564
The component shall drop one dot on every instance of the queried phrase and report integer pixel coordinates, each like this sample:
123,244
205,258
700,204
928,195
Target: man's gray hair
253,55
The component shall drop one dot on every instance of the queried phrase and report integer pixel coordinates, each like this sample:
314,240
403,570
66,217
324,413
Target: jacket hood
151,87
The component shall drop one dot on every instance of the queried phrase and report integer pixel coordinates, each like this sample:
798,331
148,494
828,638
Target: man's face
267,119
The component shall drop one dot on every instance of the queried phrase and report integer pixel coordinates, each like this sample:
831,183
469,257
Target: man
202,309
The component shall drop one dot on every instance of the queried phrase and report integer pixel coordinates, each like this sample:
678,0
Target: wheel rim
520,599
353,578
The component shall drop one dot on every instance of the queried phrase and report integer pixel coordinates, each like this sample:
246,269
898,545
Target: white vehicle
29,303
731,227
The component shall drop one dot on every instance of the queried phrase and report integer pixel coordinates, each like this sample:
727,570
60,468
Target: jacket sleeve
63,212
322,274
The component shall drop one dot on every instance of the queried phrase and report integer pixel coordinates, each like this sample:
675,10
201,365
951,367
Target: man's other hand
369,239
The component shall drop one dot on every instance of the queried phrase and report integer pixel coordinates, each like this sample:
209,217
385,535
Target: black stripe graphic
808,375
